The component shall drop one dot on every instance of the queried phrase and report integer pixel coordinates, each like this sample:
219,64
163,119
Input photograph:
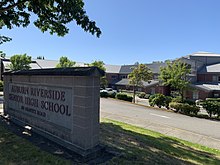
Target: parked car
108,90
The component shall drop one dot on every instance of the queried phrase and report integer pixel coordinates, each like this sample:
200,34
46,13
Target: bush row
123,96
143,95
184,108
120,96
213,99
1,85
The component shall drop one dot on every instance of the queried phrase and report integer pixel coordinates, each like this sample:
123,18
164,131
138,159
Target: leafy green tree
40,57
64,62
20,62
4,39
100,65
52,16
2,54
138,75
175,76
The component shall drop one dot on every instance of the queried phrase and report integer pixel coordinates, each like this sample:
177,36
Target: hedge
213,99
160,100
143,95
123,96
185,108
103,94
1,85
212,108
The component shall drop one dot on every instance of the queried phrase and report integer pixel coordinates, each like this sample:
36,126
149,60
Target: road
193,129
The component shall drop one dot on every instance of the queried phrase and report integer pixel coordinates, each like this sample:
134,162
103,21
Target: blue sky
132,30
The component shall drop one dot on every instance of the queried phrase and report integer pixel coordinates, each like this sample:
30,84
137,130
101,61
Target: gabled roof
145,84
207,86
215,68
46,63
33,65
126,69
113,68
155,67
209,54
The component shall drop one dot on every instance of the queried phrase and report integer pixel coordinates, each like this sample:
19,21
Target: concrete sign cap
74,71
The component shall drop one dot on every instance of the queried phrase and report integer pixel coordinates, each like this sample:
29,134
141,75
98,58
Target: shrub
177,99
213,99
195,109
123,96
176,106
147,96
157,99
103,94
168,99
218,112
1,85
212,107
141,95
151,99
190,102
112,95
185,108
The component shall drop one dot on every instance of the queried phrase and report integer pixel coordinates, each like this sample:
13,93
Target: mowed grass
127,143
15,150
136,145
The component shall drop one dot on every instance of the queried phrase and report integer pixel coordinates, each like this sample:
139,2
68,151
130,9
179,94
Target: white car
108,90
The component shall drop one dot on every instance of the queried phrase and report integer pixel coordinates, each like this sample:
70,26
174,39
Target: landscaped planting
123,96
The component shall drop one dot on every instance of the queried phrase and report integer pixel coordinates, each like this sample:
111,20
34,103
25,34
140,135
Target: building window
215,79
123,77
152,91
155,77
218,78
216,95
195,95
114,77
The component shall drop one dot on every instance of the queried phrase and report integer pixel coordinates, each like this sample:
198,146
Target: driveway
202,131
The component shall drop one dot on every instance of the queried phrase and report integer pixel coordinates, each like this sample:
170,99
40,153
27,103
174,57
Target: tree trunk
134,94
182,94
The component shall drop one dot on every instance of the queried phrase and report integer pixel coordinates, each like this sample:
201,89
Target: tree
64,62
2,54
175,76
40,57
100,65
138,75
52,16
20,62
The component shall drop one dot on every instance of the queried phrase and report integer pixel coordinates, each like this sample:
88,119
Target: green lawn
15,150
140,146
130,144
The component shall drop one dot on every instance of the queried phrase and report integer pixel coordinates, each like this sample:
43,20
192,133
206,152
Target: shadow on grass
18,148
123,147
137,148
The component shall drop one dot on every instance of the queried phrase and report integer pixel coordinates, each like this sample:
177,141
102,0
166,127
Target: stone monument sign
61,104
